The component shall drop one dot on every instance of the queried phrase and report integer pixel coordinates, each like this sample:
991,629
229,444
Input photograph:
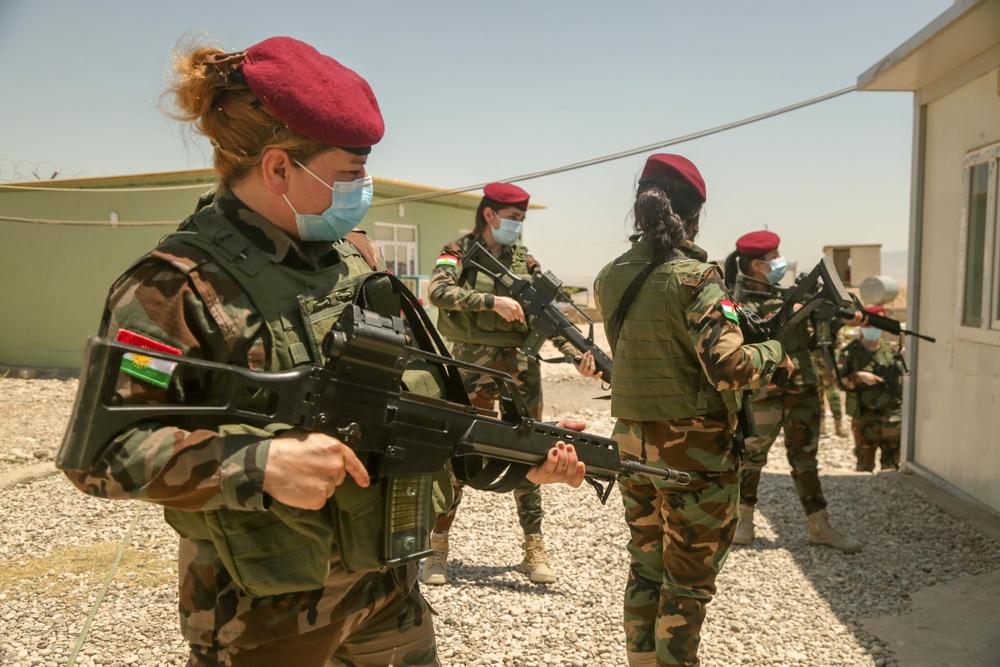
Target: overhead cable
622,154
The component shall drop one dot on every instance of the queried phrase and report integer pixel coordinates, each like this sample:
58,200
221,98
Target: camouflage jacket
703,443
448,290
175,296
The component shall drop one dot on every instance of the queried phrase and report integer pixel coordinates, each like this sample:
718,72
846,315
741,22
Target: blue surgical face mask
778,268
508,232
871,333
349,204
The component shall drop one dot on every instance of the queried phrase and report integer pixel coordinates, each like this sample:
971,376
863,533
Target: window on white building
399,247
981,280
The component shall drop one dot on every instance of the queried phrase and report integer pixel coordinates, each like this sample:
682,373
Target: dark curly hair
666,214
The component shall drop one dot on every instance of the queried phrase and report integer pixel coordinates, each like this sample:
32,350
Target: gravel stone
779,601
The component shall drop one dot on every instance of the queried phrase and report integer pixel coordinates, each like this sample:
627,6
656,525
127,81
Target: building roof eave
957,35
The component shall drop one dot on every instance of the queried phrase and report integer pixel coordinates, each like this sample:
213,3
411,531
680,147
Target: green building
62,244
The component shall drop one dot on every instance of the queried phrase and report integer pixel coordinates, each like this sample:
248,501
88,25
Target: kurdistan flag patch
152,370
447,260
729,310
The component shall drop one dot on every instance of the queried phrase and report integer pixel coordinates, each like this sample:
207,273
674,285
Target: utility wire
623,154
444,193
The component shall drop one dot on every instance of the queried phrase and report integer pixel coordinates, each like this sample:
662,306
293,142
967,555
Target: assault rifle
830,310
359,397
538,300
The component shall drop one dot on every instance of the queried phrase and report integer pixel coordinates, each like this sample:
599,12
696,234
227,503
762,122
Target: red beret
313,94
876,310
665,167
507,193
758,243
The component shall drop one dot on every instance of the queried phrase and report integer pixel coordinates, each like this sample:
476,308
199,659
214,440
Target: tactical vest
287,549
657,373
486,327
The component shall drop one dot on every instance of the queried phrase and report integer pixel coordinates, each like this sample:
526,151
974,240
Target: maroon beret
758,243
312,93
507,193
876,310
665,168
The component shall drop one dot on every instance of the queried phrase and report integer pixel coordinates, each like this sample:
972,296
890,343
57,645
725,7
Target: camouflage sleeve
715,332
444,290
849,365
205,315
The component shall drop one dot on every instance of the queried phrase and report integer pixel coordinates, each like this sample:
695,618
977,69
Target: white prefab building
951,429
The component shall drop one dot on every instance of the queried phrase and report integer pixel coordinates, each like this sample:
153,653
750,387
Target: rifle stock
538,300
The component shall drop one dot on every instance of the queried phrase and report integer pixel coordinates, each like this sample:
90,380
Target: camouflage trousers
679,539
828,385
377,623
877,430
484,393
797,411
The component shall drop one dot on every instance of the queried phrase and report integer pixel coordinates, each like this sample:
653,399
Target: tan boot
436,565
820,532
536,561
744,526
839,426
823,429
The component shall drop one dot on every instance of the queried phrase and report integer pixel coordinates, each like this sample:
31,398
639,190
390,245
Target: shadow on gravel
910,544
498,578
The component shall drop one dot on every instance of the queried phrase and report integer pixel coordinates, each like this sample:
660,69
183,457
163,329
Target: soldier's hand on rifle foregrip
508,308
305,468
868,378
586,366
562,464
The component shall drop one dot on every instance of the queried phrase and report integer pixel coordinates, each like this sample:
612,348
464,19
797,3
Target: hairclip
229,66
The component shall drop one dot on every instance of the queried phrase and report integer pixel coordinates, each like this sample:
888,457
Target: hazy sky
474,91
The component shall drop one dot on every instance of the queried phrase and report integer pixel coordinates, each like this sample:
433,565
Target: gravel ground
780,602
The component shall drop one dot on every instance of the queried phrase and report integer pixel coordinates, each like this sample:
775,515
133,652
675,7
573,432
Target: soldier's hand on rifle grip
868,378
562,464
305,468
586,366
783,372
508,308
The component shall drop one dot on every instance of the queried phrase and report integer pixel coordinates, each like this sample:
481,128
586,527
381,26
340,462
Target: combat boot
744,527
838,424
820,532
641,659
536,561
436,566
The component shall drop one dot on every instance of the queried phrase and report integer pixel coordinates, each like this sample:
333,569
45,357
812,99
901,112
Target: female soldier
250,280
873,376
795,406
680,365
486,326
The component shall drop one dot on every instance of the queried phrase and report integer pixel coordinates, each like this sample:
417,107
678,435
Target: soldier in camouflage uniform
486,326
794,407
680,368
873,377
252,279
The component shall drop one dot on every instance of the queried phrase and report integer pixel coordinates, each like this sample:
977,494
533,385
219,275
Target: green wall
54,277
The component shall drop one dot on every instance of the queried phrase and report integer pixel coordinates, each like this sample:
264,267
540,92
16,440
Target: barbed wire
12,171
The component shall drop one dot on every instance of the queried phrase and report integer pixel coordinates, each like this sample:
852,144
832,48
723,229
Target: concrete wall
957,420
54,277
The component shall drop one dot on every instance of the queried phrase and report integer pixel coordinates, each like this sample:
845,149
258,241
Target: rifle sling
614,324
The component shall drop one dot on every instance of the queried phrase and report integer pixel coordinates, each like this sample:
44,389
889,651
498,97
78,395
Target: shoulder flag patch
446,260
154,371
729,310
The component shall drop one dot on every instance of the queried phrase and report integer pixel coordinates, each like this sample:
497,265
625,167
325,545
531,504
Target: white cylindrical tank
878,290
